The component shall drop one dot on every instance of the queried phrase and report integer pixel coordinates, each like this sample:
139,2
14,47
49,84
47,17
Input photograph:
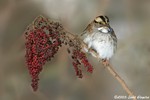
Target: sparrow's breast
103,44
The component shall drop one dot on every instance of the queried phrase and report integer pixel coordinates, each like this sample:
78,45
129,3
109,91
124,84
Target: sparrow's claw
105,62
93,54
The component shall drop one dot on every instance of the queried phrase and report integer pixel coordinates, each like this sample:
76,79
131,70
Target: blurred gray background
131,22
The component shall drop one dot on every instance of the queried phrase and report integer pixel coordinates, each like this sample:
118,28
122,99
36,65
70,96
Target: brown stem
120,80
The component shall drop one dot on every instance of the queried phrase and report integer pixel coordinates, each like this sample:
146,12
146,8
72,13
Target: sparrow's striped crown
102,20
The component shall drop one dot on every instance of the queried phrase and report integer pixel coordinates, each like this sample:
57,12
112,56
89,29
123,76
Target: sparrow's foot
93,53
105,62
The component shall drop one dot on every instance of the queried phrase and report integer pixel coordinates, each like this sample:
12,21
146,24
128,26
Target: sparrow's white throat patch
104,29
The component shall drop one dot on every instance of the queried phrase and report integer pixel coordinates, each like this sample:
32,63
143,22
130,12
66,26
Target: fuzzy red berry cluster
43,39
42,43
78,59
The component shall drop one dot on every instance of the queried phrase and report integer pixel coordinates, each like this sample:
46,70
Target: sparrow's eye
107,19
100,23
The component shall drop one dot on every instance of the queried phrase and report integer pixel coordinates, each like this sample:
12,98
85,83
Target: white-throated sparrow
100,37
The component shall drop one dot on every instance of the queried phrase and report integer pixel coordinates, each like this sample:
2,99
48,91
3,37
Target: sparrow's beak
105,29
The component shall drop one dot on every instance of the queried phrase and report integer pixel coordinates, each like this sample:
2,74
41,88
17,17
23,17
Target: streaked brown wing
88,28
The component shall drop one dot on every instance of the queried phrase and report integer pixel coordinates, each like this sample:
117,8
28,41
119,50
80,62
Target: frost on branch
43,40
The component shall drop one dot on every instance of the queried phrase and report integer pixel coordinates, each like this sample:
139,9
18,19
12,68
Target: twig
121,81
109,66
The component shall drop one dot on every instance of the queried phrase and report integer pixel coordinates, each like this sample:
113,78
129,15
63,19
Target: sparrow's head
102,20
101,23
